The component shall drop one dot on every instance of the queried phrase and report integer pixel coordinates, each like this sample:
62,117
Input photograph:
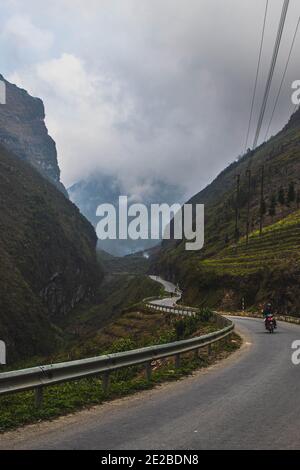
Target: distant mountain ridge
24,133
99,188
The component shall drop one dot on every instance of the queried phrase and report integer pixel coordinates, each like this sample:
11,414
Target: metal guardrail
39,377
179,310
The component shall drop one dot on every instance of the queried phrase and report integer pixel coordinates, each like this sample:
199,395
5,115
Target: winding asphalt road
249,401
169,287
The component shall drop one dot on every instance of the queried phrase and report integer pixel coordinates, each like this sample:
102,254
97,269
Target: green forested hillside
227,270
48,258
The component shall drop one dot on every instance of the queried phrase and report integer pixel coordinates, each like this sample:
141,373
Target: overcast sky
146,88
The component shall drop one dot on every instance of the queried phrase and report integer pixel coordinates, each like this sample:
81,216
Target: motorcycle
270,324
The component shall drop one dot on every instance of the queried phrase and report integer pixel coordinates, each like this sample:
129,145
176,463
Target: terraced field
279,245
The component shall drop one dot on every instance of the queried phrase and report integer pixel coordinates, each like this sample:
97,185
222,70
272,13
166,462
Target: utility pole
237,208
248,173
261,200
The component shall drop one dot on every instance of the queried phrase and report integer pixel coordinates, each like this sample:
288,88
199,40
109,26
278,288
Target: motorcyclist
268,311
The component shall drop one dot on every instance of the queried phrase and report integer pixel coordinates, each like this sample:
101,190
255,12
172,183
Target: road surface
169,288
248,401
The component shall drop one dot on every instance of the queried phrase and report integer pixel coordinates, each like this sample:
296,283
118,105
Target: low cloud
147,90
23,34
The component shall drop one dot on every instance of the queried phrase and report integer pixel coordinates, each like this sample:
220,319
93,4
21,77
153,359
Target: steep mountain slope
23,132
48,258
208,275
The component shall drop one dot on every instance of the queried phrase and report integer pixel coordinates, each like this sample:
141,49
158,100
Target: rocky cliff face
23,132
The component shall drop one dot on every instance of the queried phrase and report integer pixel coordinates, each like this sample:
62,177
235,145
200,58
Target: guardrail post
105,382
177,361
196,353
148,371
103,366
38,397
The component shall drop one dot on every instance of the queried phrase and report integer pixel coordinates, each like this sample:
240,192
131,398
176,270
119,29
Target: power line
283,77
257,72
271,71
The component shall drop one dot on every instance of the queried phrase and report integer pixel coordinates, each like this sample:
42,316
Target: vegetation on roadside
106,318
18,409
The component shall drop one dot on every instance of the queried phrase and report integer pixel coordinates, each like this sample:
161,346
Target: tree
179,328
281,196
263,207
291,197
272,208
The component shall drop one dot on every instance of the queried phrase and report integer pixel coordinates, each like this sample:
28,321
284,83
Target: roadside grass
92,328
18,409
